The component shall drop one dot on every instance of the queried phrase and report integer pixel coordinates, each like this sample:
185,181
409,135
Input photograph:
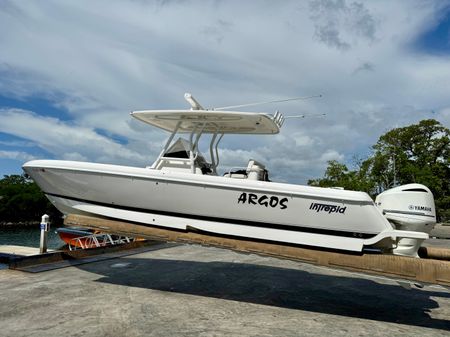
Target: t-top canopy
209,121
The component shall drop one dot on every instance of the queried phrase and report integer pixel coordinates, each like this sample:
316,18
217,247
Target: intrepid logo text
327,208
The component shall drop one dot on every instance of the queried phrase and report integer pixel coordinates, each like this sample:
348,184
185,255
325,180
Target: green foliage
338,175
416,153
22,200
419,153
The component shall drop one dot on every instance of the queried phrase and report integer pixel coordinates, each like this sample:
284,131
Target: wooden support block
423,270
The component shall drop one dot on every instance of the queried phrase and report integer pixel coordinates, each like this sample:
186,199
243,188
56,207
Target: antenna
193,102
266,102
303,116
279,119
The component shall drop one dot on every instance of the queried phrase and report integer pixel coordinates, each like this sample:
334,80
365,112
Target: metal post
163,151
45,227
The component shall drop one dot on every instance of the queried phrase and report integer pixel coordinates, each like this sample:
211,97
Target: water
28,236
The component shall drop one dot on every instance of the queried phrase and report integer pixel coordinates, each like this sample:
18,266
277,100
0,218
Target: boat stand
407,271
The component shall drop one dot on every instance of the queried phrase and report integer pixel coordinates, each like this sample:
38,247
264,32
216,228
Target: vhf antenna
266,102
278,117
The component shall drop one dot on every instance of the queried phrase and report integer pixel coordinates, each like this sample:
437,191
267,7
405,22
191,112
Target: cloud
442,115
366,66
18,155
335,19
16,143
64,140
217,30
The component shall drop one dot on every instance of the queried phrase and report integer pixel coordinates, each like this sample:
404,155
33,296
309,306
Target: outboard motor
409,208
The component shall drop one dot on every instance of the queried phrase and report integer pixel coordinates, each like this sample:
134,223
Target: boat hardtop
210,121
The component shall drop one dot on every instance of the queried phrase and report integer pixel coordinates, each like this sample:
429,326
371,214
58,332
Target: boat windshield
179,149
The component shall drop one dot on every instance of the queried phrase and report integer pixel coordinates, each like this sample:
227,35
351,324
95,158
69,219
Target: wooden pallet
421,270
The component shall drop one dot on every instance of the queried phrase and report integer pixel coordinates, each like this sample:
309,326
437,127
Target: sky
71,71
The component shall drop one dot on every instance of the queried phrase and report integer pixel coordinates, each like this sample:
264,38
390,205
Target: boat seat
254,171
238,174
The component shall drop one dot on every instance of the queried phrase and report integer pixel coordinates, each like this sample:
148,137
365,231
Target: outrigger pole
267,102
195,105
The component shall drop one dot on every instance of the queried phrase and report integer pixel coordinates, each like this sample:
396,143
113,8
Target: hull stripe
408,213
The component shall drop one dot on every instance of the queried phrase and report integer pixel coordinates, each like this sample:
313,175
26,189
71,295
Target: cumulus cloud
64,140
97,61
19,155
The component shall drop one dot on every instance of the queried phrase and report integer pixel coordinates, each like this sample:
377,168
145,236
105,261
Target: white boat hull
261,210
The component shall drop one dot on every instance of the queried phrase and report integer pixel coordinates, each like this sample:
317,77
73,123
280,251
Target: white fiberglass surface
318,192
210,196
207,121
311,239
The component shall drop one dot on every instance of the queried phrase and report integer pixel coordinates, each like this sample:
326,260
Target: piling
45,227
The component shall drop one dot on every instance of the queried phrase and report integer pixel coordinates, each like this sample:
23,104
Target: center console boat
182,190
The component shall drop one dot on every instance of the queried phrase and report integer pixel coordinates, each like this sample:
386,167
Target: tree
417,153
338,175
22,200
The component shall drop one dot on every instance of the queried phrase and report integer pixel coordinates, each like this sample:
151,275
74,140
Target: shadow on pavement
280,287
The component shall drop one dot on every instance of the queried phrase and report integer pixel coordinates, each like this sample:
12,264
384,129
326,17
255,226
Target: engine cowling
408,207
